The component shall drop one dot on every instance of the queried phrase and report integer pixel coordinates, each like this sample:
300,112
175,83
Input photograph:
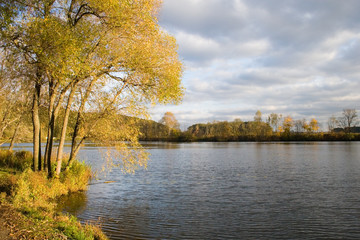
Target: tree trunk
50,142
14,136
74,152
36,129
74,144
79,122
53,114
45,166
50,133
39,151
63,131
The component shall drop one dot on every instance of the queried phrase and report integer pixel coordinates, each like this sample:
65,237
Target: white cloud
292,57
196,47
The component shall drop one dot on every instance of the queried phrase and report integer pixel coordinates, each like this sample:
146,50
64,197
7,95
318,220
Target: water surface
230,191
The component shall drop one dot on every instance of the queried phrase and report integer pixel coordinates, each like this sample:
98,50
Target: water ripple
233,191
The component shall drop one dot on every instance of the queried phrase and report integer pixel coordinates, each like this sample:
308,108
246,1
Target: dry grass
27,206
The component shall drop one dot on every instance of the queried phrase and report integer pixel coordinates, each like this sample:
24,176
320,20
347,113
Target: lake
305,190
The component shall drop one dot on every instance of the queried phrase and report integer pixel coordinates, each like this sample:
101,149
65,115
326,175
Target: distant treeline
253,131
237,131
275,128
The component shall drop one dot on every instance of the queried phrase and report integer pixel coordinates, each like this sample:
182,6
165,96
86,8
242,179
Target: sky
292,57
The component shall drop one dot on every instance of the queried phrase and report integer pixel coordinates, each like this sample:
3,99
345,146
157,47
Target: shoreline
27,207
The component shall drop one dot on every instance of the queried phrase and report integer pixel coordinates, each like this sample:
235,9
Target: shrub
24,160
35,190
7,181
77,177
19,161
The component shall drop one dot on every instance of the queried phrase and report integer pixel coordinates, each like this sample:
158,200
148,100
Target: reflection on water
229,191
74,203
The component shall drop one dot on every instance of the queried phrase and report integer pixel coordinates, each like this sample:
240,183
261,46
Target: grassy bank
27,200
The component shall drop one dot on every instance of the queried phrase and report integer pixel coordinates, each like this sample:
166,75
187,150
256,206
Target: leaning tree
96,60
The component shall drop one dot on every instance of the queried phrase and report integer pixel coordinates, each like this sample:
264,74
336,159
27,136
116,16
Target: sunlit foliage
96,59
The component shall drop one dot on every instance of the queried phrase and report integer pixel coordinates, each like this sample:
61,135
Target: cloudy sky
293,57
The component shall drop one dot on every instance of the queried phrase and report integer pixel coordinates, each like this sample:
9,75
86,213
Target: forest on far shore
274,127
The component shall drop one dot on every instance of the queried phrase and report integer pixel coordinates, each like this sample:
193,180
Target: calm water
230,191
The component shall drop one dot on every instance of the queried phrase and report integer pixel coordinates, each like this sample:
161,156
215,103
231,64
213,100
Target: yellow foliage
288,123
314,125
35,190
306,126
114,55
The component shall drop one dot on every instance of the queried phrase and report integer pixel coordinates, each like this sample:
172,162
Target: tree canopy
169,120
100,59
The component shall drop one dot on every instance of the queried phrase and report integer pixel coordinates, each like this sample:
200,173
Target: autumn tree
287,124
101,59
170,121
259,128
313,125
257,117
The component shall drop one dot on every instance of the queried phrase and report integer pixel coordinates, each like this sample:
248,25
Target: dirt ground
4,232
15,226
4,224
10,223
